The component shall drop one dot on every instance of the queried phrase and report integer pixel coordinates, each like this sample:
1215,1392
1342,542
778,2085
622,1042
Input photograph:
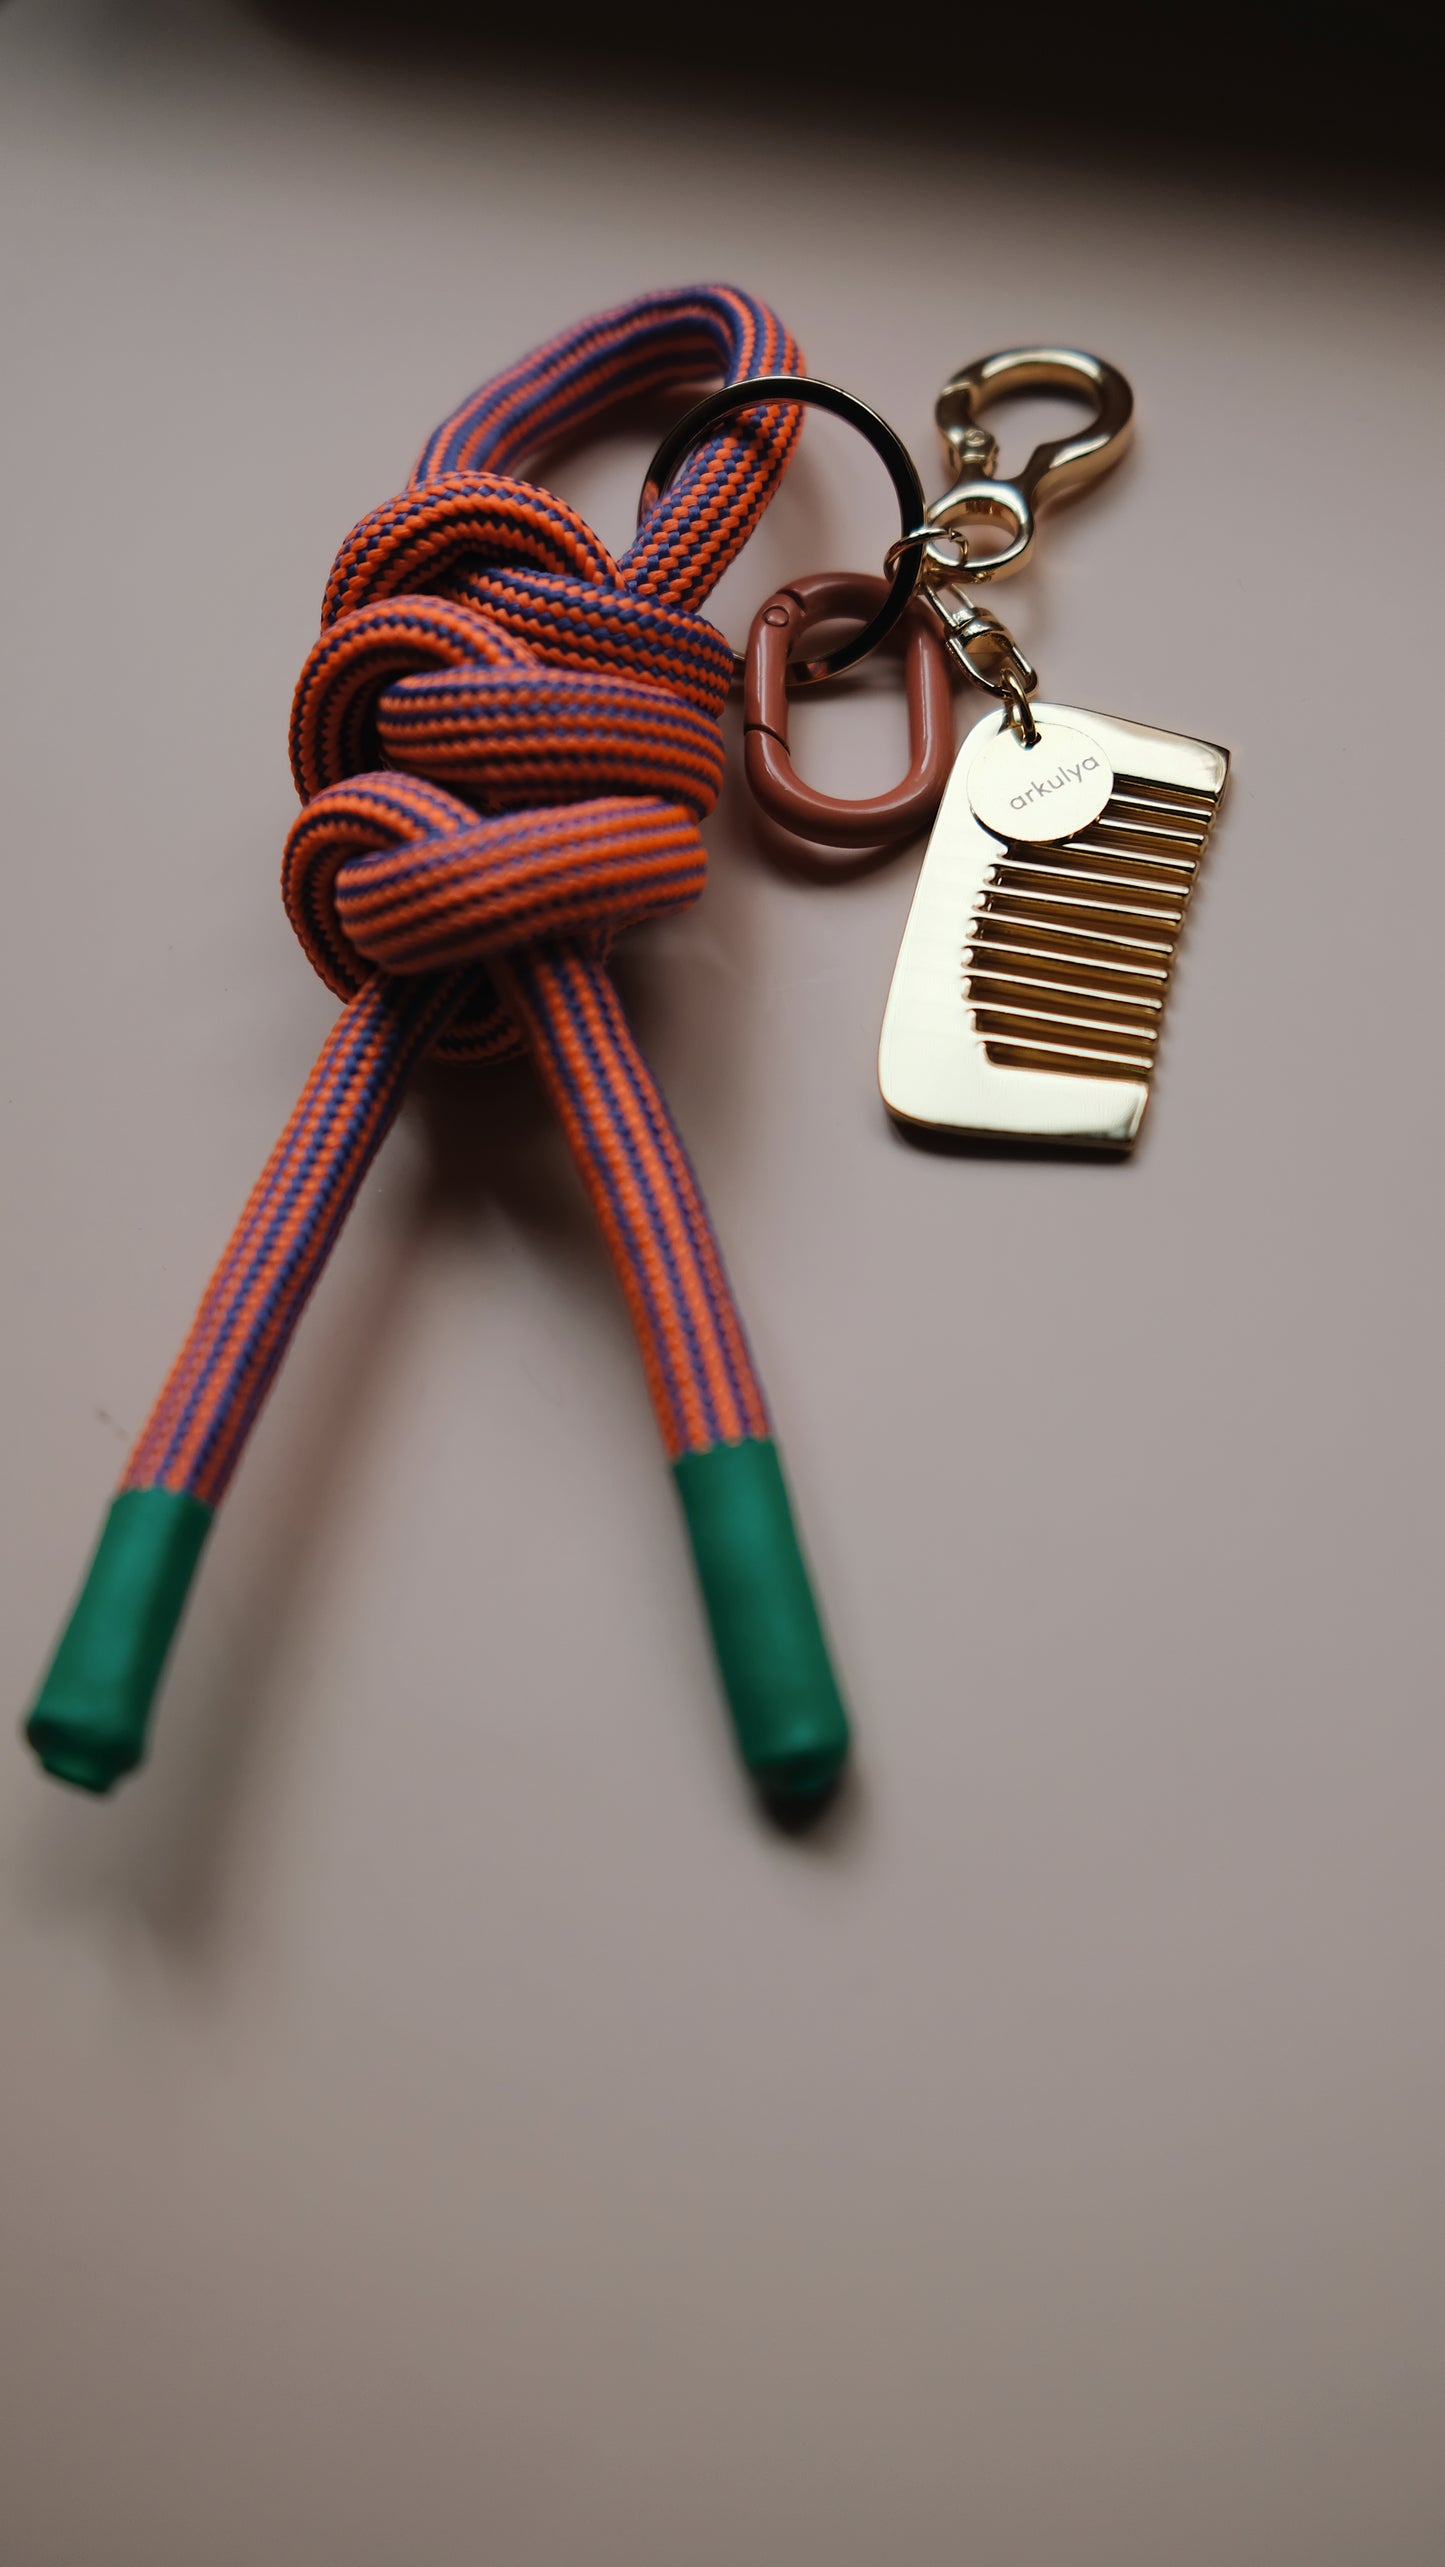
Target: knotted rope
504,742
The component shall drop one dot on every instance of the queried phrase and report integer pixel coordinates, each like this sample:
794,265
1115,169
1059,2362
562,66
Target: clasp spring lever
978,640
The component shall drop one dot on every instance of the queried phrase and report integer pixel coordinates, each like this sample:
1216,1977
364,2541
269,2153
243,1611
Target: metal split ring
902,472
1018,713
919,542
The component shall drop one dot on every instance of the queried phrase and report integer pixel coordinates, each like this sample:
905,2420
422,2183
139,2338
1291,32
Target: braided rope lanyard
503,742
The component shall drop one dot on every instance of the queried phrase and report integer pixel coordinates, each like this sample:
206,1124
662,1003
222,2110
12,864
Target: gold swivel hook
1059,464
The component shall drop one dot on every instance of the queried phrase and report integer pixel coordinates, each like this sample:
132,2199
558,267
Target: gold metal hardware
1059,464
1030,985
982,645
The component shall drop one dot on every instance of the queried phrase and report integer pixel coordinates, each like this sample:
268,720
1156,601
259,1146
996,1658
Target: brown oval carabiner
777,629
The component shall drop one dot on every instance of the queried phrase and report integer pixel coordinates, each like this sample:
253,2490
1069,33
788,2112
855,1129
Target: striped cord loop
504,742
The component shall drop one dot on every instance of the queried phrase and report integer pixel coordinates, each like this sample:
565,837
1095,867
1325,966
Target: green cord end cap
791,1726
88,1726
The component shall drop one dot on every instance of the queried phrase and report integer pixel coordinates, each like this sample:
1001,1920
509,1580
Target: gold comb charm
1030,985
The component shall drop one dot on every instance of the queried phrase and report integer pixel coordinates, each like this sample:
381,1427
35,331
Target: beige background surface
438,2121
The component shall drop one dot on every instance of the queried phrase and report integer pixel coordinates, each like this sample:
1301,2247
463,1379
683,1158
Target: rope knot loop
541,775
503,741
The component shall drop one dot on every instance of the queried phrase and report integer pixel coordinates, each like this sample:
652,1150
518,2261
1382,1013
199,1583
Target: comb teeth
1031,981
1067,960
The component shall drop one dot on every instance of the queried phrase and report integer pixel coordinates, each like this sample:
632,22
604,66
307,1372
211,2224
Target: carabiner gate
778,629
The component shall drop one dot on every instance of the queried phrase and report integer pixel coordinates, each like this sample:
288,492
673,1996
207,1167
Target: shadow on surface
1329,101
1280,86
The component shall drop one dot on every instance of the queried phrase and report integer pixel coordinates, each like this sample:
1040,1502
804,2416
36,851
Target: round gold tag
1041,794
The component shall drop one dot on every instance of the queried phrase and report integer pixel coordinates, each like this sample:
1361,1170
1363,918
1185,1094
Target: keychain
1030,985
503,742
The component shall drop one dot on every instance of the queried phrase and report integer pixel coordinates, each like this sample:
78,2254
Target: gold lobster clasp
1060,464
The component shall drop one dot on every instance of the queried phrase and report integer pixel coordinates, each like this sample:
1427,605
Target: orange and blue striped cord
504,742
